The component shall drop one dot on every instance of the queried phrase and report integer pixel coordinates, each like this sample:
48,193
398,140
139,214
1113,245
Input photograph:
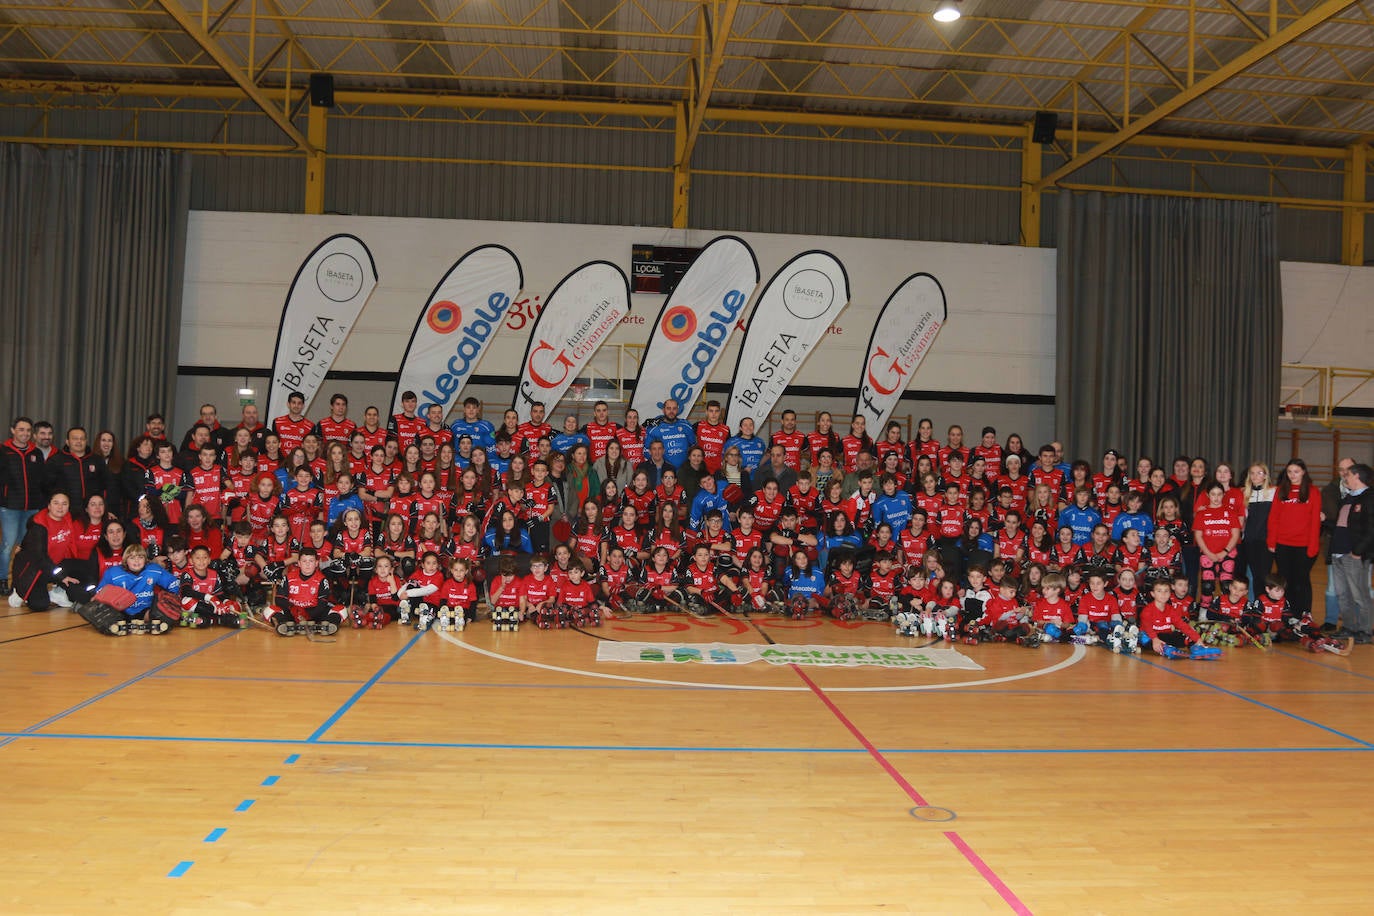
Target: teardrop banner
334,283
459,321
694,325
583,310
796,308
908,323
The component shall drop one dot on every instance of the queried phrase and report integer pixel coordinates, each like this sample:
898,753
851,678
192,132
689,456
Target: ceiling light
947,11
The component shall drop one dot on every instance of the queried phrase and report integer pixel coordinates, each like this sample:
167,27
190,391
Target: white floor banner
726,653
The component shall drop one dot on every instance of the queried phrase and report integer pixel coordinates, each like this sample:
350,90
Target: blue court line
270,680
270,781
216,834
1248,699
118,687
677,749
245,804
181,869
1312,661
292,759
348,704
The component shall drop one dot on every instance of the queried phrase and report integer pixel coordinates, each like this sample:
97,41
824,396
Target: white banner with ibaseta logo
726,653
330,289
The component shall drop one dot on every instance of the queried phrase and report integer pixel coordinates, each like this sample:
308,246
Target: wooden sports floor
213,771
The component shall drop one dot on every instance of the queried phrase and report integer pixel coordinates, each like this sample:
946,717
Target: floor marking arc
1076,656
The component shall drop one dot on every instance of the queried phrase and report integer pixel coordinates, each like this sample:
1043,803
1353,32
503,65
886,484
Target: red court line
982,867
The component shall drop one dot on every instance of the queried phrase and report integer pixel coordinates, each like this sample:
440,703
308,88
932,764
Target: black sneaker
1364,639
1329,628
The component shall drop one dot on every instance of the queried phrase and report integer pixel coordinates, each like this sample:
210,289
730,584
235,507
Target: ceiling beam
664,110
1296,29
245,82
717,35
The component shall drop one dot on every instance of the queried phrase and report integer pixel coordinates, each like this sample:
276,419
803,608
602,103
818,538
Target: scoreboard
659,268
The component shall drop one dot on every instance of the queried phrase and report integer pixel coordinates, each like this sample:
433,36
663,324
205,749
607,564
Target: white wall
1000,336
1328,315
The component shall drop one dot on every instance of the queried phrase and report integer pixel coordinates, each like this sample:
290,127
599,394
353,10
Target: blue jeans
13,523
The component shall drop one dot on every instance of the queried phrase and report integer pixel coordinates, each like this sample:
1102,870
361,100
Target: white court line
1078,654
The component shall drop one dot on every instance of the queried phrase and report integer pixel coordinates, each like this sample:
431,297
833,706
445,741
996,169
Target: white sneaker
58,596
15,600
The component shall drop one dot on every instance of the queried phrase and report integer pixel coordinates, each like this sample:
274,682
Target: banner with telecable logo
579,315
729,653
459,320
902,335
694,326
330,289
796,308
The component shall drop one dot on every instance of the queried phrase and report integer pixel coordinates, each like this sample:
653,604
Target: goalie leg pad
104,618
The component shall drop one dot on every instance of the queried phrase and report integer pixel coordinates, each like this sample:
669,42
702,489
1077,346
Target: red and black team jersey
793,444
1059,612
676,495
209,538
850,446
303,593
913,545
245,556
819,442
302,505
1064,557
1109,512
421,506
632,444
1128,599
472,551
658,581
406,544
743,543
424,545
291,432
1129,559
929,503
766,511
630,540
665,537
885,448
587,543
198,586
1223,606
1269,610
371,439
757,581
808,506
1054,478
1215,526
841,584
703,579
352,543
881,586
237,486
711,438
948,521
992,457
1020,489
599,434
1009,545
917,448
332,430
505,592
613,580
1164,559
274,551
405,430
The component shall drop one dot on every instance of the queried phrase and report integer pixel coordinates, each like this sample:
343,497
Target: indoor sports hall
302,265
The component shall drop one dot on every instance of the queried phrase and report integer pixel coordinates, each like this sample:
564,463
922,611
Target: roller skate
1200,652
1030,640
445,619
425,618
379,619
358,618
404,609
927,625
907,624
1132,637
460,620
324,627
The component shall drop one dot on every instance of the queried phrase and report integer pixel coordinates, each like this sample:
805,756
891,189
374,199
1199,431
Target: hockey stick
1253,639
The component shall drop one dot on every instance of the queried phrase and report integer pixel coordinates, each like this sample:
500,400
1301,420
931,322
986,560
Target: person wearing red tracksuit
1294,533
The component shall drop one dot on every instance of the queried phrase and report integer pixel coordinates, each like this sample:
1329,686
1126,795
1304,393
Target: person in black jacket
22,491
1352,555
75,470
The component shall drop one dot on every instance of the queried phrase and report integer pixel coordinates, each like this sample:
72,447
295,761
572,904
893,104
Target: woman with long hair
1294,535
1259,498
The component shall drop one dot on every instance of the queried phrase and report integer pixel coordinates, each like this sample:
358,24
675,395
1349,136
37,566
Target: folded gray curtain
1170,316
90,284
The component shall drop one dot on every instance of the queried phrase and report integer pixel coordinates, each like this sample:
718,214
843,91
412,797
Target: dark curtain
1169,323
90,284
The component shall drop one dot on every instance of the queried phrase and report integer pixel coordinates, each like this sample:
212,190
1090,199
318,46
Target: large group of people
305,525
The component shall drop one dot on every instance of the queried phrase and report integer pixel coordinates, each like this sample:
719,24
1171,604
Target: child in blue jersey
142,580
805,583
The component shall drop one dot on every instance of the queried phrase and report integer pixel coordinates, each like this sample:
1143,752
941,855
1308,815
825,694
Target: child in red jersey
757,588
457,597
1052,614
383,598
1167,631
612,582
1098,609
503,593
1005,618
579,597
538,592
943,610
418,594
1219,618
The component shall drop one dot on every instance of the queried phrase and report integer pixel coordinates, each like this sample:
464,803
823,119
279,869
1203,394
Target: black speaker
1042,130
322,91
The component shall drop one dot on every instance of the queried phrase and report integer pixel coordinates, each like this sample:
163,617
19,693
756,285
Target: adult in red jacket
1295,524
22,479
50,544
